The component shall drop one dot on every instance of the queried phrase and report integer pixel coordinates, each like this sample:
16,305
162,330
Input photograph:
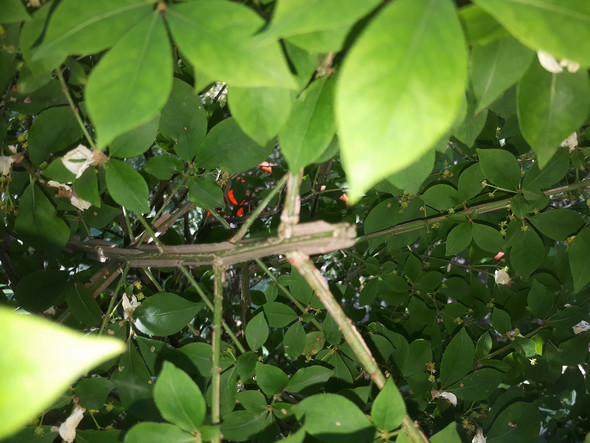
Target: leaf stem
109,313
151,233
219,274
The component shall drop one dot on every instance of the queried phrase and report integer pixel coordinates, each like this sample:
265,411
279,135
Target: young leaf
497,66
39,360
579,259
257,331
388,409
126,186
555,26
457,359
270,379
164,314
52,131
179,399
218,38
183,120
399,89
310,127
260,112
131,83
500,167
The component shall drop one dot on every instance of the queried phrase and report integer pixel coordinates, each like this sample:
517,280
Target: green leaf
517,423
497,66
409,179
294,340
38,362
86,186
218,38
321,42
551,107
164,314
183,120
82,305
457,359
163,167
311,126
131,83
257,331
158,433
484,345
37,222
77,28
243,425
447,435
246,364
552,173
279,315
579,259
557,224
500,167
473,123
136,141
228,148
92,392
40,289
260,112
399,89
560,28
480,27
470,182
13,11
253,401
179,399
501,321
540,300
308,377
204,192
200,355
52,131
388,409
441,197
528,251
293,17
459,239
126,186
270,379
331,416
487,238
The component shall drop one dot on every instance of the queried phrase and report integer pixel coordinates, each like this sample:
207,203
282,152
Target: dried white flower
551,64
12,149
502,277
67,430
479,438
449,396
5,164
79,203
69,192
130,305
78,160
570,142
583,326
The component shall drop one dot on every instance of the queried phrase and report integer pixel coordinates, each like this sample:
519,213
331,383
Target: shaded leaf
388,409
164,314
126,186
457,359
52,131
500,167
579,259
270,379
257,331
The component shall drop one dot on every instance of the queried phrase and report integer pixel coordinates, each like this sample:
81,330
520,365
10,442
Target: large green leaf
293,17
13,11
217,37
52,131
126,186
38,362
205,192
271,379
136,141
540,300
279,315
260,112
82,305
179,399
580,259
40,289
413,76
487,238
552,173
164,314
556,26
410,178
92,392
500,167
497,66
480,27
459,239
243,425
478,385
458,359
257,331
131,83
551,107
228,148
311,125
528,251
184,120
294,340
159,433
307,377
85,28
163,167
388,409
517,423
558,224
37,222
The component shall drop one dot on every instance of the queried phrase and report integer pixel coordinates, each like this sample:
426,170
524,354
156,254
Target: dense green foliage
453,135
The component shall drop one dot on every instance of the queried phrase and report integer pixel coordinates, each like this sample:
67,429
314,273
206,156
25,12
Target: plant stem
204,297
219,273
74,108
290,214
151,233
153,279
316,280
128,224
113,298
254,215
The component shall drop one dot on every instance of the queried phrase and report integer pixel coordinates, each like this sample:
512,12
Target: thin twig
150,232
219,274
113,298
